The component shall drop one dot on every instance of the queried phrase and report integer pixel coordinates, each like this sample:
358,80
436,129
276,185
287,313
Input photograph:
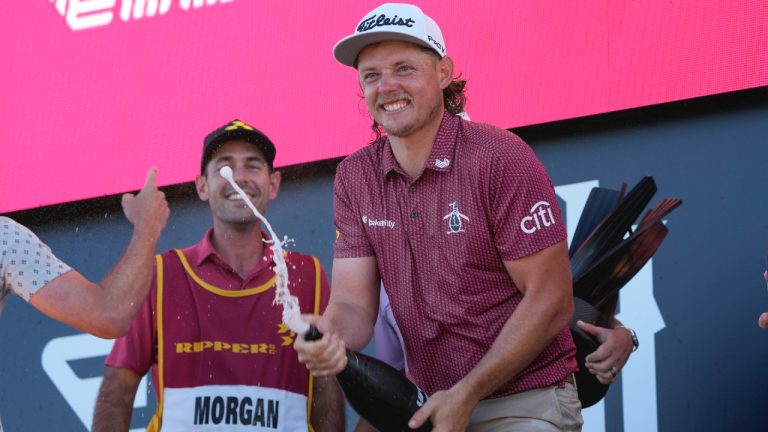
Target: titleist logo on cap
382,20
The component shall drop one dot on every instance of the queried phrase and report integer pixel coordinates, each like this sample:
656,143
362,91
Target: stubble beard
242,214
411,127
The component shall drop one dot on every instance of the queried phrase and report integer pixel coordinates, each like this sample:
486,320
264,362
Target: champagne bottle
379,393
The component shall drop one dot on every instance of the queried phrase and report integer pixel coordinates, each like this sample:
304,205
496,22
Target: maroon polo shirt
440,242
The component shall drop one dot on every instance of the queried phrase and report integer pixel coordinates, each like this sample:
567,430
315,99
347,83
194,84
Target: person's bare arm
114,404
348,320
327,406
544,278
107,308
354,300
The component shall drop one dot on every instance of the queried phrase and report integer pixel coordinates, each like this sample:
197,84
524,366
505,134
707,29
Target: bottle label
421,397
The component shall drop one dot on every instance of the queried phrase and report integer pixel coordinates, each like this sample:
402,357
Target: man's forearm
111,416
114,404
105,309
352,322
544,279
532,326
354,300
327,406
126,285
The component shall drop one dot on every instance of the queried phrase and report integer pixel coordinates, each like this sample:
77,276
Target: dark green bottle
379,393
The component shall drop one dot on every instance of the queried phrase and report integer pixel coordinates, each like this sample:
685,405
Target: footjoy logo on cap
381,21
540,217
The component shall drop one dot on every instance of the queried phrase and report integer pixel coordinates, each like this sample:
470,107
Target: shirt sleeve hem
510,256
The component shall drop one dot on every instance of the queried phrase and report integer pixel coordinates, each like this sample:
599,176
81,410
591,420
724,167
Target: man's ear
274,182
201,186
445,71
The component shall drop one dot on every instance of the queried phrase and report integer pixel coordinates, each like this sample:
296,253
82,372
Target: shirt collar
441,157
443,149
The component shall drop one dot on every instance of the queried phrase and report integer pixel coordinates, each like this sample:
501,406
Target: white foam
226,172
283,297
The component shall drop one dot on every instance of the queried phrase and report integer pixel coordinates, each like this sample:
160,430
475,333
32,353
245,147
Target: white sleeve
26,263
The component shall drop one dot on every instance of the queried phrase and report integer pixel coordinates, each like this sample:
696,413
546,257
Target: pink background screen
94,92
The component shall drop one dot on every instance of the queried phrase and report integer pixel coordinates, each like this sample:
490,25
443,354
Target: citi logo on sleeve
540,217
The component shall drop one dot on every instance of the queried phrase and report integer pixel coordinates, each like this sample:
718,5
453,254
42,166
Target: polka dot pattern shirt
26,263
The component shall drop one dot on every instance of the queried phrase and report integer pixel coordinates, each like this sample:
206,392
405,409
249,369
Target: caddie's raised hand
148,210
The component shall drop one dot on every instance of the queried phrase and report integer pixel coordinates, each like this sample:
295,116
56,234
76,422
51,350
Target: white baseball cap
390,21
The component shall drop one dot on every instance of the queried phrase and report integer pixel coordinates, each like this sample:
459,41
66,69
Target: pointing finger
151,180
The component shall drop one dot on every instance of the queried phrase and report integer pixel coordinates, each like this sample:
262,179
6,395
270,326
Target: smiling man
220,357
482,303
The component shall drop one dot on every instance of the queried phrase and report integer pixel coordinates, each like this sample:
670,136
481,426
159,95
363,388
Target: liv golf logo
85,14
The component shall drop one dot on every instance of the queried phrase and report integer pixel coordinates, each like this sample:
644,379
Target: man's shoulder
304,262
8,226
18,240
307,275
487,135
493,146
299,257
369,155
173,254
189,252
